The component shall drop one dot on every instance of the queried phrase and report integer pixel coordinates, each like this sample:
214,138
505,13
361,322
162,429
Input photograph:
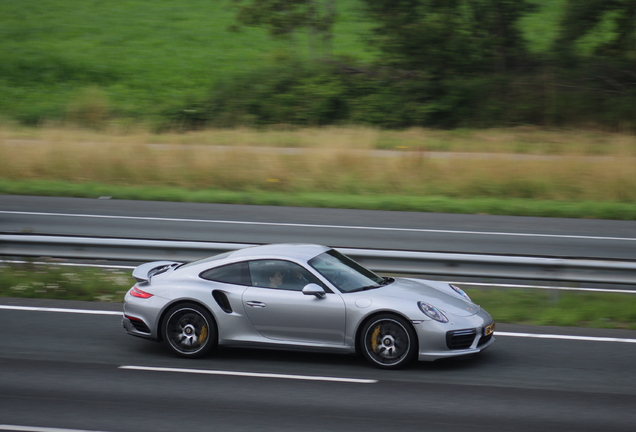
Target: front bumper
464,337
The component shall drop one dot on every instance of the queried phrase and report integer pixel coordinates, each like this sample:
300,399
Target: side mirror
314,289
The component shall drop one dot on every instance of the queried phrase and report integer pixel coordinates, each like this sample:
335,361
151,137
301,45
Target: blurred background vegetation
533,101
386,63
88,89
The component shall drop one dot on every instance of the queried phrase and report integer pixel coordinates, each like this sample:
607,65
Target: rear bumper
135,327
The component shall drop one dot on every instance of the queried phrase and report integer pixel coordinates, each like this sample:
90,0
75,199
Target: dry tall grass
508,163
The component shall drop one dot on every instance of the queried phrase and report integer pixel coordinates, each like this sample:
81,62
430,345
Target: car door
279,310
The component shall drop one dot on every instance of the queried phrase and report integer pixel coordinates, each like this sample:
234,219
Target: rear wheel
388,341
189,330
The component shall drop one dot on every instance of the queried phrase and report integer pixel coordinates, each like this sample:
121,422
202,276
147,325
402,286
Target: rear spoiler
144,272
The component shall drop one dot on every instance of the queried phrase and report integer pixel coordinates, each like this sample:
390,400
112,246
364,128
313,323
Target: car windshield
344,273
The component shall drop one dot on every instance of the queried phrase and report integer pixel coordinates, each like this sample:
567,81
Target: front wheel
189,330
388,342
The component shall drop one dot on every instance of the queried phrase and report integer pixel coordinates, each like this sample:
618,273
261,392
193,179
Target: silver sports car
299,296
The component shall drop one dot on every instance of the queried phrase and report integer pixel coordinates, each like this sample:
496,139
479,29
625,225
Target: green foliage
89,108
56,281
557,308
449,37
583,17
152,61
422,35
496,26
375,201
292,93
308,94
400,63
282,18
313,94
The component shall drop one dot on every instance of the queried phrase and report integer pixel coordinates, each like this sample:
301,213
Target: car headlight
461,292
433,312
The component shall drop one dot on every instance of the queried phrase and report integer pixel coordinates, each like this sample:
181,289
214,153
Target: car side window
237,274
280,274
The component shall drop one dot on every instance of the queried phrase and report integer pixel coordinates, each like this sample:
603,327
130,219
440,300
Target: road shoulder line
250,374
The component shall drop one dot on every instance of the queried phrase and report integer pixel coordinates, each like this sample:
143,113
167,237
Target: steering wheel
338,278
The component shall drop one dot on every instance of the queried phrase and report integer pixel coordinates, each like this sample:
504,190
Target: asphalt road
483,234
63,370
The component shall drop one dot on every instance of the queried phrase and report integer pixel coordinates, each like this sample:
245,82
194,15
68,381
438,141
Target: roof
285,250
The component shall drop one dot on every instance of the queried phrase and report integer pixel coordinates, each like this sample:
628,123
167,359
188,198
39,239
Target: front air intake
460,339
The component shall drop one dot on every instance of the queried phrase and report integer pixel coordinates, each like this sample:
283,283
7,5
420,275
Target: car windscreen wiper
365,288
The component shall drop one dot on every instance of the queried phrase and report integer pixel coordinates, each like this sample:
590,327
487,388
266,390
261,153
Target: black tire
388,341
189,330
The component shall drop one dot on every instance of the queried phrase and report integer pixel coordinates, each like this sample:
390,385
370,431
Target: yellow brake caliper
204,335
374,338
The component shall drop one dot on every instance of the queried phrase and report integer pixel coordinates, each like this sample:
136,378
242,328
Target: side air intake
222,301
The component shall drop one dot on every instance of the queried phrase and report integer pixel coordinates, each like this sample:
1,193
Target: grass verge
506,172
51,281
514,306
556,308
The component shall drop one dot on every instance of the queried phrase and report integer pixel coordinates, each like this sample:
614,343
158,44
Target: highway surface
80,371
64,370
483,234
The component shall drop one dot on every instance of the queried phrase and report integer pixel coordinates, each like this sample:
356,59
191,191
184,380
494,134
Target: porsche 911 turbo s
305,297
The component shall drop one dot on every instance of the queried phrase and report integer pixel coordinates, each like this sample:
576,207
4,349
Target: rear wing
144,272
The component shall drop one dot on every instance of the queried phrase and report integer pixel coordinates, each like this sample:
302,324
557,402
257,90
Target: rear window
237,274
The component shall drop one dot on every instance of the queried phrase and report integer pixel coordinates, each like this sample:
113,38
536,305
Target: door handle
255,304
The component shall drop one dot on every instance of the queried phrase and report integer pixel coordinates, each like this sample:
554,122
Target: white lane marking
62,310
299,225
565,337
251,374
545,287
16,428
498,333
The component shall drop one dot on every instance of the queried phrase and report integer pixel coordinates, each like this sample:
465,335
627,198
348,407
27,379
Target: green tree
495,26
449,36
583,16
284,18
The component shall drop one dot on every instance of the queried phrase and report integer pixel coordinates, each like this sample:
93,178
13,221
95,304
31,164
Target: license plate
489,330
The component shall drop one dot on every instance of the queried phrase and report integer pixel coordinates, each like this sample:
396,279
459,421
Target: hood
419,291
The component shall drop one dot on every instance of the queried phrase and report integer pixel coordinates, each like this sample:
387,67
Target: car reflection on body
305,297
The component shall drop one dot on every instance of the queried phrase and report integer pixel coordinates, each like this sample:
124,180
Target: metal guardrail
110,248
388,261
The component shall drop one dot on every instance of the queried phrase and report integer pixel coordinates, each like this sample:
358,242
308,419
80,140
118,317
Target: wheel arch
374,314
169,306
